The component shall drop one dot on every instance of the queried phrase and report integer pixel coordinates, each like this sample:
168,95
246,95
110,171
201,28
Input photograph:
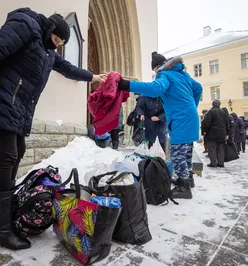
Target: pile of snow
83,154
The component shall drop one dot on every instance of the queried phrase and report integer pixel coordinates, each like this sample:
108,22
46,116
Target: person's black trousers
216,152
12,150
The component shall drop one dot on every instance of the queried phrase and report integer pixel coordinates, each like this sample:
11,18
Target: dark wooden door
93,66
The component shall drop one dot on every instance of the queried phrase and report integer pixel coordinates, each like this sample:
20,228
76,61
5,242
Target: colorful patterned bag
32,206
85,228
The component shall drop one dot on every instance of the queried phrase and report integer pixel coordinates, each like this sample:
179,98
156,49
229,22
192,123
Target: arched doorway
93,65
111,45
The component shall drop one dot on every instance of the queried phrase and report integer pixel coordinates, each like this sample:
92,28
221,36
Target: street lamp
230,104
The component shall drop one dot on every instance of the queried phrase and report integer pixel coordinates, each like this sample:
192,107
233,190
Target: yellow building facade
219,61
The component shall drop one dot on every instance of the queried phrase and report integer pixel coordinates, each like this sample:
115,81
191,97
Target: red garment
105,104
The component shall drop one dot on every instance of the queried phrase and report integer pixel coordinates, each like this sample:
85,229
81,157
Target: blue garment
180,95
110,202
25,66
150,107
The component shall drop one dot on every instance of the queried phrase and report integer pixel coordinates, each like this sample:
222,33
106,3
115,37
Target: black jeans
12,150
216,152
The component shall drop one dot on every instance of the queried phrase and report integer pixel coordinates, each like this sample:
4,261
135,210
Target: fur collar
169,64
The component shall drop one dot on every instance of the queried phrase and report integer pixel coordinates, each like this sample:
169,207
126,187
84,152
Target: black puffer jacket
215,125
25,66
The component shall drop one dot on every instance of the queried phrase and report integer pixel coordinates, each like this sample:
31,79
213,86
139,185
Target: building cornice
216,47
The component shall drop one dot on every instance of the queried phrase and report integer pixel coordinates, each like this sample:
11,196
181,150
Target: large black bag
132,225
231,153
139,133
157,182
131,118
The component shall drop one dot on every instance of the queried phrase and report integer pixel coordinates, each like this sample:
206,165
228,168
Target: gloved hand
124,85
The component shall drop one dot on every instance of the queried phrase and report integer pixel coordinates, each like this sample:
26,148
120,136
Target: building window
198,70
244,60
245,87
214,66
215,93
73,50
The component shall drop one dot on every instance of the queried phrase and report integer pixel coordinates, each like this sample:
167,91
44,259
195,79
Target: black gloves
124,85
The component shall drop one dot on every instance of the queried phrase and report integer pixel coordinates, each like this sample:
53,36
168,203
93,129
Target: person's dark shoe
9,238
205,151
221,165
207,156
182,192
115,145
212,166
191,179
243,151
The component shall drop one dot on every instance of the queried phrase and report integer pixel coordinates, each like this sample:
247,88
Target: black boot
8,237
191,179
115,145
182,191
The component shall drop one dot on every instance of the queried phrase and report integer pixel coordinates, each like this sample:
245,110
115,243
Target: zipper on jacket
16,90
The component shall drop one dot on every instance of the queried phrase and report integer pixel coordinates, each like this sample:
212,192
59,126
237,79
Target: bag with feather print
85,228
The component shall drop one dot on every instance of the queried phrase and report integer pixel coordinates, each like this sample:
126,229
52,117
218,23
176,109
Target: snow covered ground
211,229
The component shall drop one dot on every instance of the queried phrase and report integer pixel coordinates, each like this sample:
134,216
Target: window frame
245,89
211,92
244,66
72,21
198,68
214,68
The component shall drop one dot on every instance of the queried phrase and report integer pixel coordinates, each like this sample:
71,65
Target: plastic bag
142,149
129,164
157,151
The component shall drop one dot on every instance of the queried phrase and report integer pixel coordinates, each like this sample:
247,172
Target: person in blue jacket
151,111
28,41
180,95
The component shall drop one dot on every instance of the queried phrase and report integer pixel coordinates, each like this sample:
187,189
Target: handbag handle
113,180
74,174
94,181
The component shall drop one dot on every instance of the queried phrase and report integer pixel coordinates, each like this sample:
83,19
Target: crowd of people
28,41
219,127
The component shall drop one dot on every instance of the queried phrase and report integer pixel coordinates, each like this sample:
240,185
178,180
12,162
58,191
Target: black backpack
32,204
157,182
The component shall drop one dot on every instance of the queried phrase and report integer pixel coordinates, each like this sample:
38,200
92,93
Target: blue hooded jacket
180,95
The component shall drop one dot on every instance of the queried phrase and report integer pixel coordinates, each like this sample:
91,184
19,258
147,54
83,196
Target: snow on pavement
211,229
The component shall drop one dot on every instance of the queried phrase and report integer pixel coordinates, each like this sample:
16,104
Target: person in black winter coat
239,131
232,125
152,113
27,56
243,136
215,126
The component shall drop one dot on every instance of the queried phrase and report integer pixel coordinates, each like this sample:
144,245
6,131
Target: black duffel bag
139,133
132,225
231,153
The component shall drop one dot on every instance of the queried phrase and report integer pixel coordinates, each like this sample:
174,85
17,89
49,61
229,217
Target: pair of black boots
9,238
183,187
